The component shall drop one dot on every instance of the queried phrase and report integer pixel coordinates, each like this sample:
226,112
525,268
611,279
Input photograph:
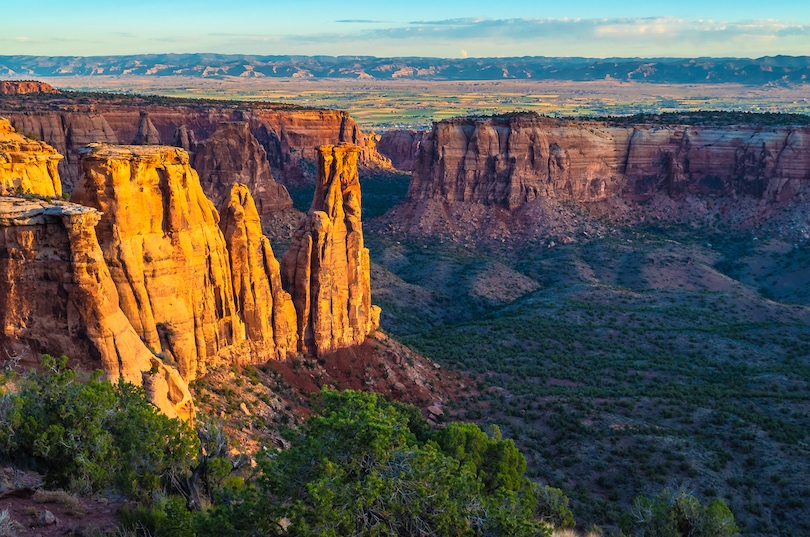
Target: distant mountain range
767,70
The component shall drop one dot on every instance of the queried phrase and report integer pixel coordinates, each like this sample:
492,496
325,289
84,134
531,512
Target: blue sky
446,28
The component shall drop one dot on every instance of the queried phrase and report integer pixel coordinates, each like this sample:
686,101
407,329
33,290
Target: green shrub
678,514
358,468
92,435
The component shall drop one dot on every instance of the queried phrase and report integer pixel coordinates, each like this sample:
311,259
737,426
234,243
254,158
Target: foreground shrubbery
361,466
365,466
91,435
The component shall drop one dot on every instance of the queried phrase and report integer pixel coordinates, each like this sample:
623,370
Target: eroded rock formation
165,251
27,165
233,155
57,296
141,275
265,307
326,269
147,133
508,161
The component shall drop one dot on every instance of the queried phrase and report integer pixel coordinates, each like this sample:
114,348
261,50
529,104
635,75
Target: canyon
142,276
742,173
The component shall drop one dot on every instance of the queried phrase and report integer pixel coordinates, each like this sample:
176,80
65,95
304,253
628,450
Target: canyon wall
327,268
161,240
288,136
511,160
57,294
401,146
233,155
142,276
24,87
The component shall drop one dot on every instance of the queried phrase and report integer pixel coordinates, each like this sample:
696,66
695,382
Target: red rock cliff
288,136
508,161
233,155
265,307
23,87
57,296
401,146
326,269
165,251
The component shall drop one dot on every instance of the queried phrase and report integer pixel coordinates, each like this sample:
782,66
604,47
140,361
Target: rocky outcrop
326,269
184,138
401,147
57,296
167,256
27,165
233,155
511,160
147,133
24,87
265,307
288,135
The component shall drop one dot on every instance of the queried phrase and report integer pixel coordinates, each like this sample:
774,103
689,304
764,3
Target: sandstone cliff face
326,269
288,136
265,307
27,165
401,146
57,296
233,155
167,256
508,161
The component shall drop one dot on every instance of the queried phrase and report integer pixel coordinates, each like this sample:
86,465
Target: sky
437,28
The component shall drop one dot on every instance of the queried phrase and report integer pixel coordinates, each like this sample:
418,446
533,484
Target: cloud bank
473,37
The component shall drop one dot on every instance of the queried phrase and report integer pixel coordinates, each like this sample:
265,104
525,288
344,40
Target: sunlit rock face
326,269
57,297
161,241
27,165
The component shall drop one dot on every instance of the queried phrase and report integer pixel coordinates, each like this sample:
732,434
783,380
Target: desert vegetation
650,358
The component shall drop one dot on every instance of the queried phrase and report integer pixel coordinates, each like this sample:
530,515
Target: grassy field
625,364
395,104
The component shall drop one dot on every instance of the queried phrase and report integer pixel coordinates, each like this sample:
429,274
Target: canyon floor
620,359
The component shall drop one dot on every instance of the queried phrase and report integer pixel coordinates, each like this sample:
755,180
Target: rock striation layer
327,269
233,155
57,296
511,160
27,165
